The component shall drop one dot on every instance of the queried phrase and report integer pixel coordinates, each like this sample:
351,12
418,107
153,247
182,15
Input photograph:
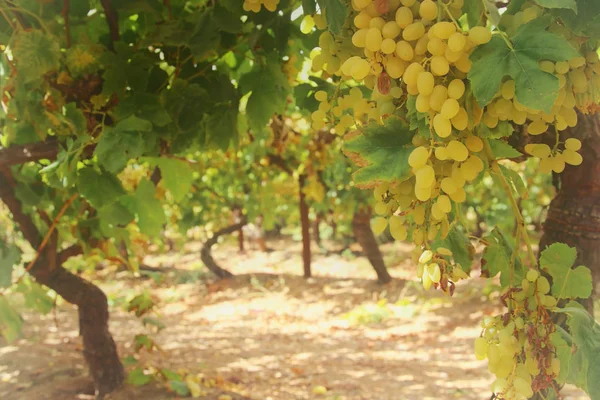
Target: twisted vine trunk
574,214
99,348
205,253
305,222
361,225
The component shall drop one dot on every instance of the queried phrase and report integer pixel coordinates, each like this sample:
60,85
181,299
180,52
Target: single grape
418,157
480,35
456,89
457,150
442,126
378,225
426,83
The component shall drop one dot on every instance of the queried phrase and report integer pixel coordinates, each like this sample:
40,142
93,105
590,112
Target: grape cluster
552,159
436,268
255,5
518,344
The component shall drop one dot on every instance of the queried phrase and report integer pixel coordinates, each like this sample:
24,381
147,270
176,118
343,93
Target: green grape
543,286
456,89
397,228
457,150
307,24
381,208
442,126
418,157
378,225
425,83
419,214
377,22
425,176
532,275
461,120
439,65
450,108
428,10
425,256
418,237
433,270
480,35
558,163
459,196
523,387
426,278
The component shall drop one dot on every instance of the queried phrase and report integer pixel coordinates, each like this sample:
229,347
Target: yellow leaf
194,387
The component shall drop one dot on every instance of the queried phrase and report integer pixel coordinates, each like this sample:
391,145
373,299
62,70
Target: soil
269,334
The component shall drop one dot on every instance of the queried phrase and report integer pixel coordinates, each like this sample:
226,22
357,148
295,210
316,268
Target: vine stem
495,167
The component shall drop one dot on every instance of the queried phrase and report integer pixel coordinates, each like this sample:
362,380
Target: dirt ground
269,334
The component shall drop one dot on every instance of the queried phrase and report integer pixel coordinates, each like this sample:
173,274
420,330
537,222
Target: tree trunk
205,253
306,257
316,231
241,239
574,214
361,225
99,347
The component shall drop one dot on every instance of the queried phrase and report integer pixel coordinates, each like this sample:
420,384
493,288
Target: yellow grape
373,39
412,73
450,108
418,157
425,83
480,35
547,66
360,4
561,67
425,176
388,46
459,196
359,39
463,64
537,127
404,50
320,21
390,30
377,22
428,10
414,31
378,225
573,144
436,46
457,150
419,214
426,278
508,89
381,208
444,203
408,3
558,163
456,89
433,270
422,193
468,171
412,89
439,65
404,17
453,56
362,20
456,42
443,30
532,275
538,150
474,144
441,153
461,120
481,348
422,103
397,228
490,121
395,67
321,95
421,46
572,157
307,24
448,185
438,97
570,116
442,126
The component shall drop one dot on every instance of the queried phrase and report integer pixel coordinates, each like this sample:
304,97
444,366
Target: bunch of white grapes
255,5
553,159
436,268
519,344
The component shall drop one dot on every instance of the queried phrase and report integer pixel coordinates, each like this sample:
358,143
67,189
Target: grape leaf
122,142
461,247
474,10
335,14
36,296
385,150
496,259
531,43
99,188
147,209
177,176
563,353
557,259
503,129
36,54
179,387
138,377
571,4
584,22
309,6
10,321
9,257
515,180
221,126
501,149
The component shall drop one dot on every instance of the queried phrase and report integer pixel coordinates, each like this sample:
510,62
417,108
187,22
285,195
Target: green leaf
563,353
475,11
496,259
503,129
309,6
584,22
99,188
134,124
123,142
149,214
138,377
385,148
9,257
179,387
36,296
36,54
10,321
335,14
571,4
557,259
176,176
593,375
535,88
501,149
460,246
222,126
515,180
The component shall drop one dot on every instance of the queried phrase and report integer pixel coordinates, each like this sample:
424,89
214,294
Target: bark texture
99,347
574,214
361,225
306,256
205,253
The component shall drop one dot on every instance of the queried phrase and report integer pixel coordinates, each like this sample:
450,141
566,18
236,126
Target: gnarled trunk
99,347
574,214
304,221
205,253
361,225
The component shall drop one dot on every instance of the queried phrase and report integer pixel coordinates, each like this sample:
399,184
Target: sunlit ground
269,334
